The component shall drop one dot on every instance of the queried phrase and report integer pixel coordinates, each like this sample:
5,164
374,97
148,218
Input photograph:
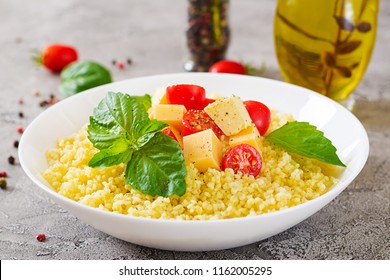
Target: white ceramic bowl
67,116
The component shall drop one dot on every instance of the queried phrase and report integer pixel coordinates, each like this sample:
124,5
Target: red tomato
191,96
56,56
198,120
207,102
244,158
260,115
228,66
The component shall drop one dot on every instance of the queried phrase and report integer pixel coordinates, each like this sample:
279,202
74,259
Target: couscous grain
284,181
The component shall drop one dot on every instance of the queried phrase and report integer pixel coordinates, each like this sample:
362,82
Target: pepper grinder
207,34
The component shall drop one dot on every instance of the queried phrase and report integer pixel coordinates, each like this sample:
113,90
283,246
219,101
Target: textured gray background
354,226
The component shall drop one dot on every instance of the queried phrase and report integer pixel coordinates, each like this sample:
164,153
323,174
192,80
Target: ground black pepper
208,33
16,144
21,115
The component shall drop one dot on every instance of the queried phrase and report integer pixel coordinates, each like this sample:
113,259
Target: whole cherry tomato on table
243,158
198,120
260,115
56,56
234,67
191,96
228,66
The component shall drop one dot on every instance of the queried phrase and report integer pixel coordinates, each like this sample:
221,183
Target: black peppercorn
11,160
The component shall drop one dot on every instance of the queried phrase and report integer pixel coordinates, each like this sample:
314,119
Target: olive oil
325,45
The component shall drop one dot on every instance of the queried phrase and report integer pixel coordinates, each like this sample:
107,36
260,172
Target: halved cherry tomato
198,120
260,115
191,96
228,66
244,158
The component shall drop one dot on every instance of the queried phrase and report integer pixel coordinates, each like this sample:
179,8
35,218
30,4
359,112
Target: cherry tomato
244,158
260,115
207,102
191,96
56,57
228,66
198,120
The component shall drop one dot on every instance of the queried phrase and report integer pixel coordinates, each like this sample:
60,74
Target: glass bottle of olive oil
325,45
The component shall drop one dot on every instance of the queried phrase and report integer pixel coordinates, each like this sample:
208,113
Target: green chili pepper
83,75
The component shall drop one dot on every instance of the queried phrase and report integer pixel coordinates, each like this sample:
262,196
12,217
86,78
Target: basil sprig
304,139
121,129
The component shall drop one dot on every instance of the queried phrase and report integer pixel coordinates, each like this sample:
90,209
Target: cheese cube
169,113
249,136
203,149
229,114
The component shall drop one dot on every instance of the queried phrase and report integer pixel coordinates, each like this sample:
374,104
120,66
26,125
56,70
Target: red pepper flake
20,129
3,174
120,65
40,237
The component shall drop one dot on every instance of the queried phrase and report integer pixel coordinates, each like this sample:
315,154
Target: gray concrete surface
354,226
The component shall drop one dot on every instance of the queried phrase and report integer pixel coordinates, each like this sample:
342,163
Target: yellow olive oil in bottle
325,45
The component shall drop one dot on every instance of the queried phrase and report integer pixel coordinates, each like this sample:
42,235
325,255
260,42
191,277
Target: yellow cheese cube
203,149
229,114
169,113
249,136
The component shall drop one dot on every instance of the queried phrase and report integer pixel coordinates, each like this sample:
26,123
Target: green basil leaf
145,100
103,136
117,153
158,168
121,129
83,75
145,130
304,139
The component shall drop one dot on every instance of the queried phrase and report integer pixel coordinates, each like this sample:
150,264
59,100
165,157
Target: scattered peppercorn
21,115
129,61
3,174
16,144
120,65
11,160
113,62
20,129
3,183
43,103
40,237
